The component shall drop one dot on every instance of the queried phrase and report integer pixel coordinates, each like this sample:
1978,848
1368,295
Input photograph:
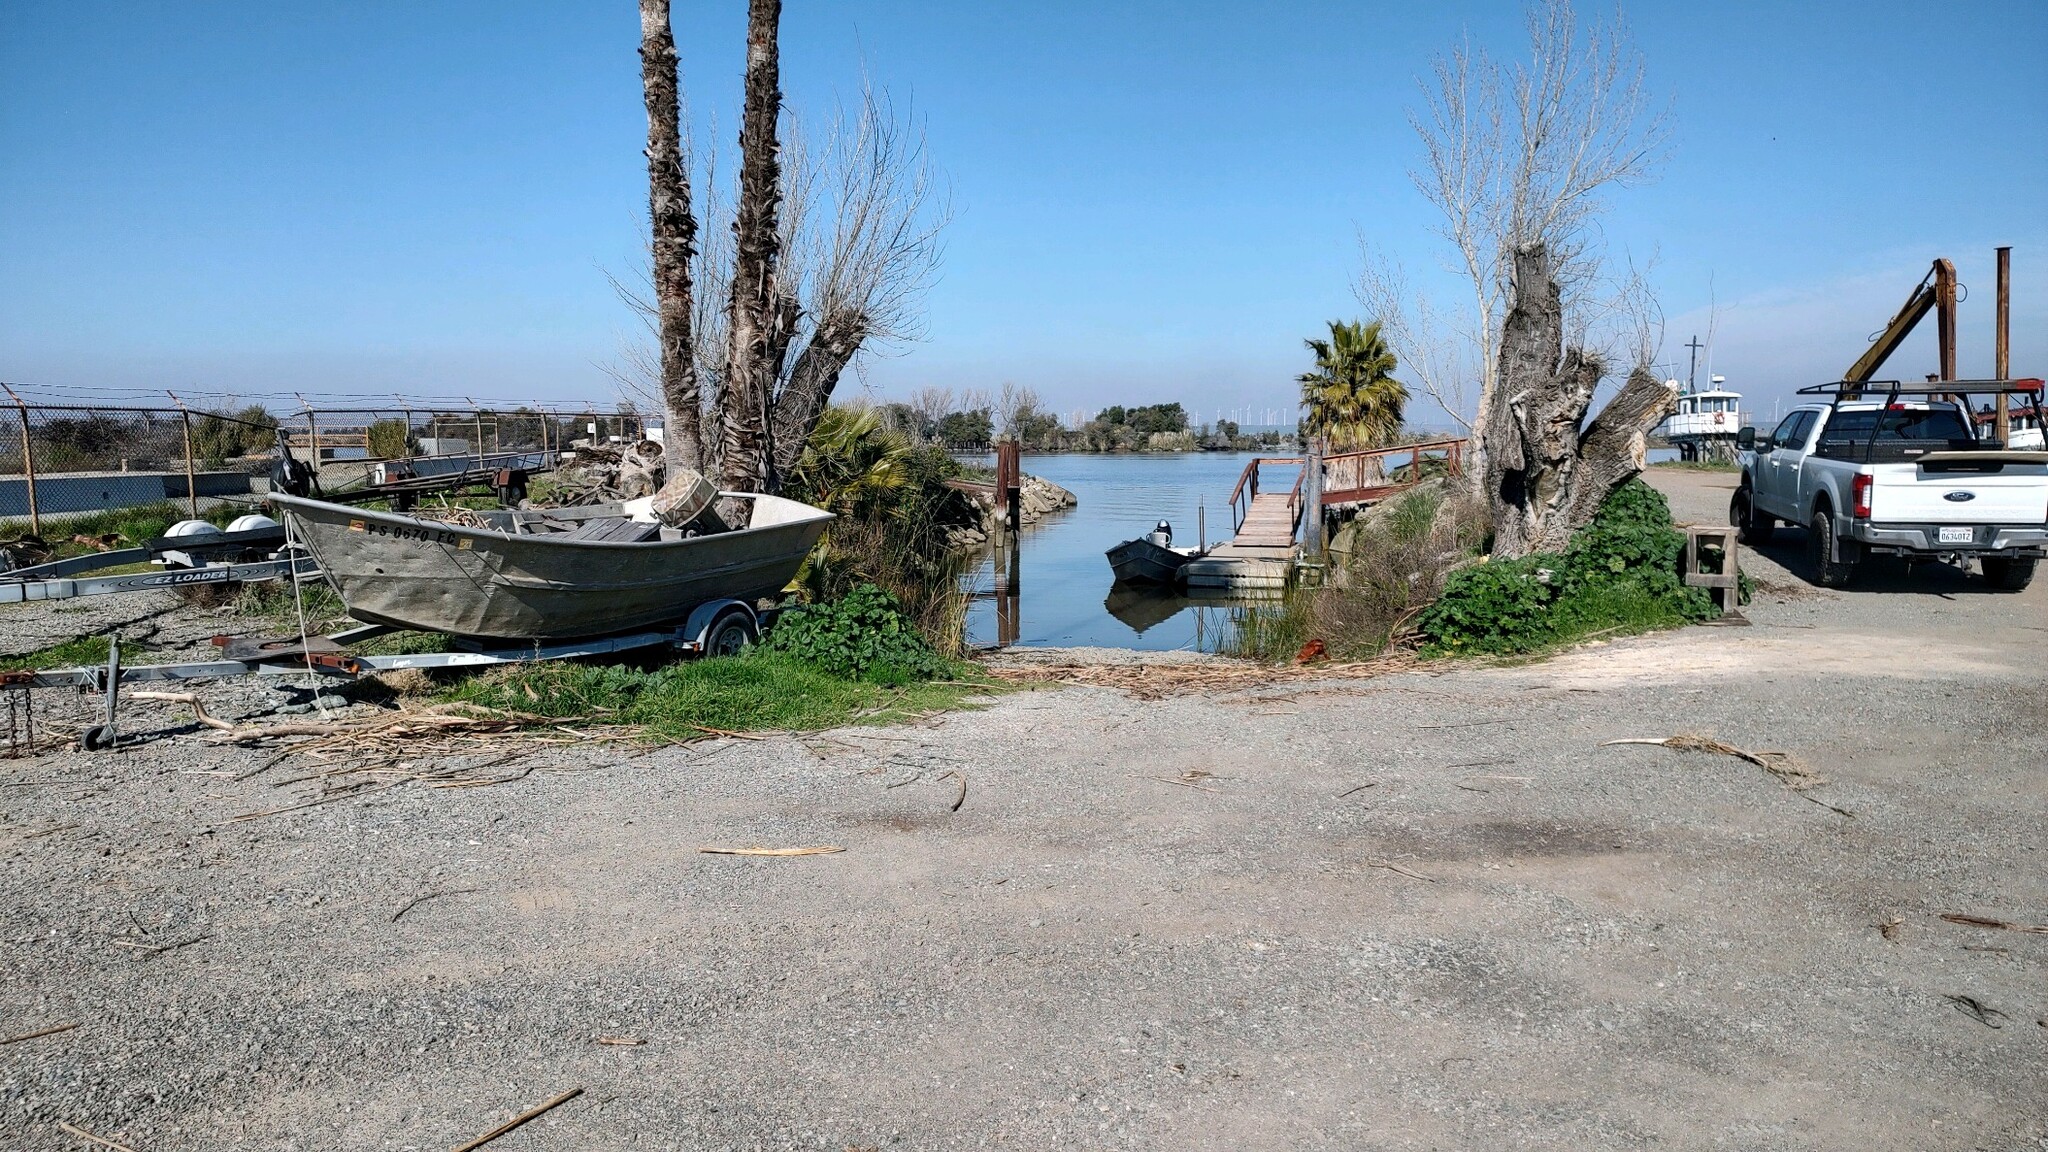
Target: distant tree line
974,419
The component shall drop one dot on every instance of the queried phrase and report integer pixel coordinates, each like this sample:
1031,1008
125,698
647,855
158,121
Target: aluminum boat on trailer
548,573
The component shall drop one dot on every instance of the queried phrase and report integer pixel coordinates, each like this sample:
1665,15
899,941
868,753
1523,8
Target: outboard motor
290,475
1162,535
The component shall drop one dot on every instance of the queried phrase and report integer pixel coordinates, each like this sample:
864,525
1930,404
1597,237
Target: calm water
1063,580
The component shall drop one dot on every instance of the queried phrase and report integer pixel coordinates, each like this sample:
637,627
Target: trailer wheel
2009,573
1751,527
1828,572
97,738
732,633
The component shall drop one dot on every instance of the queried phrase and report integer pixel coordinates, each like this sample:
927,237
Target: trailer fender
714,625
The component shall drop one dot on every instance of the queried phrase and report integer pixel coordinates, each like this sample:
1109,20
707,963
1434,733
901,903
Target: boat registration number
421,534
1957,535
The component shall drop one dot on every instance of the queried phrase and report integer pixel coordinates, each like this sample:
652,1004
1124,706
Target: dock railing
1363,476
1247,490
1366,475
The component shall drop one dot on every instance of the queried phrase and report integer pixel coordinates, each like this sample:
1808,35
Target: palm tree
1352,397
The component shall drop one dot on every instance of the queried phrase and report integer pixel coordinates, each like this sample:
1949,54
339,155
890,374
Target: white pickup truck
1885,468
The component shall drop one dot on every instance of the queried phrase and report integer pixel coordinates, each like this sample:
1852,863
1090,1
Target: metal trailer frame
64,579
706,632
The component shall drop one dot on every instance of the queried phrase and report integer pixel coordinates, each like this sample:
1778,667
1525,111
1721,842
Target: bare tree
854,217
1013,405
1517,157
862,281
674,231
931,403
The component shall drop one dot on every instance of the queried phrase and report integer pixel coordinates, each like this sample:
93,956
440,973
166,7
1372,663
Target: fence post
312,435
28,465
191,480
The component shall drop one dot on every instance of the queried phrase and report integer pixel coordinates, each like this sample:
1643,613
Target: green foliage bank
1621,573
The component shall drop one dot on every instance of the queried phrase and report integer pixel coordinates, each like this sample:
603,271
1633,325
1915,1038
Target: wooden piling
2001,349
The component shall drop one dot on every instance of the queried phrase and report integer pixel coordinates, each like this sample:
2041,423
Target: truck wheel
2008,573
1828,572
1751,527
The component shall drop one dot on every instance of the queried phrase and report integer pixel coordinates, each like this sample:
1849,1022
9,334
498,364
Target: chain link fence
62,460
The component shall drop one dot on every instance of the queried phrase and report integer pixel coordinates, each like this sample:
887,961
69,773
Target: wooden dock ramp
1272,521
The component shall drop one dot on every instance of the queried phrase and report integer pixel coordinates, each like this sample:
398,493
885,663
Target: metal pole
2001,354
28,466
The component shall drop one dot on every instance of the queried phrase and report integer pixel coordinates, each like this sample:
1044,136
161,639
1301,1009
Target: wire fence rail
62,460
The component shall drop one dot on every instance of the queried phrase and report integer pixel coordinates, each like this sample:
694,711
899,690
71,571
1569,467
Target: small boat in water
1150,559
565,573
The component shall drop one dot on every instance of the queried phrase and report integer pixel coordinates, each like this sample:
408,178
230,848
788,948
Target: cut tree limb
1546,472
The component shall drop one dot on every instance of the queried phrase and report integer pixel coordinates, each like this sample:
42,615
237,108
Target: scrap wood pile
601,473
1154,681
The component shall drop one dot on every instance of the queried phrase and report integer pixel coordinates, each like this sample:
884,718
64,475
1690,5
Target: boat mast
1692,372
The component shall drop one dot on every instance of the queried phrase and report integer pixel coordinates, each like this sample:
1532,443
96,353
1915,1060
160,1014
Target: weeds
751,692
1620,574
116,527
78,652
1383,569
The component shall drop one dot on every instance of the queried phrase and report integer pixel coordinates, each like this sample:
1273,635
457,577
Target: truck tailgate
1963,488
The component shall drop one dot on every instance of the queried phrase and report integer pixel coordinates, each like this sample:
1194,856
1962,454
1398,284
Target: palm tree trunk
747,462
674,235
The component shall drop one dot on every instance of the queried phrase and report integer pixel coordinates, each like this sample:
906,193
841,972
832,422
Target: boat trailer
714,628
186,561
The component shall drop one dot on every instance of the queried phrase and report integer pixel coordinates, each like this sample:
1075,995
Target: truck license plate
1958,535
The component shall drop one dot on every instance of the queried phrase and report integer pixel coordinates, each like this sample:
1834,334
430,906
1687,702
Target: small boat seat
613,529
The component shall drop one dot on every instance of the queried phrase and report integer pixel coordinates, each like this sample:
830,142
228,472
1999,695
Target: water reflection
1053,585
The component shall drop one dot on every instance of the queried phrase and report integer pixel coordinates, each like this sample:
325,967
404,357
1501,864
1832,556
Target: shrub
863,635
1620,571
391,440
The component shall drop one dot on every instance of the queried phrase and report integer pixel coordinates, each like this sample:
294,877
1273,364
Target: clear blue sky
1155,201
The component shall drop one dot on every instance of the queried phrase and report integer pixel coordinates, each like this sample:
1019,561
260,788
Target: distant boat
1702,423
1150,559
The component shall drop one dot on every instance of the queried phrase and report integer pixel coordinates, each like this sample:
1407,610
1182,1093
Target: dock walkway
1270,521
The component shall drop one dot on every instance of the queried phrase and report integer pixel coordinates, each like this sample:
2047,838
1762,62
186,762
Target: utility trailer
714,628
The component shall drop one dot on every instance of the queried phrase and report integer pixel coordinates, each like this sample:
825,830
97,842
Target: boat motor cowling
1162,535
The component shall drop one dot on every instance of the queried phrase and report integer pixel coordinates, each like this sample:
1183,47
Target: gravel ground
1423,911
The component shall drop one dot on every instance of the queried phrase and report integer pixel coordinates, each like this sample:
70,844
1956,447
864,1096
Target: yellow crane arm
1937,288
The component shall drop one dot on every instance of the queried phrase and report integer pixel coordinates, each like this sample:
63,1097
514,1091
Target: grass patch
78,652
751,692
1696,466
272,600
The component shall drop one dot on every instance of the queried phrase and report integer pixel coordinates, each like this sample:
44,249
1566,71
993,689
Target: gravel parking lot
1429,910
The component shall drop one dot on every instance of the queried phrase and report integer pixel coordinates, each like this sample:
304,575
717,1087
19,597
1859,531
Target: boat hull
435,577
1141,561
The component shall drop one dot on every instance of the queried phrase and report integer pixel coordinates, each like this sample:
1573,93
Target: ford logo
1959,497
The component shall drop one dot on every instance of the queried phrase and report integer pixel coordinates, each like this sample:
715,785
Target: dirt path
1424,911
